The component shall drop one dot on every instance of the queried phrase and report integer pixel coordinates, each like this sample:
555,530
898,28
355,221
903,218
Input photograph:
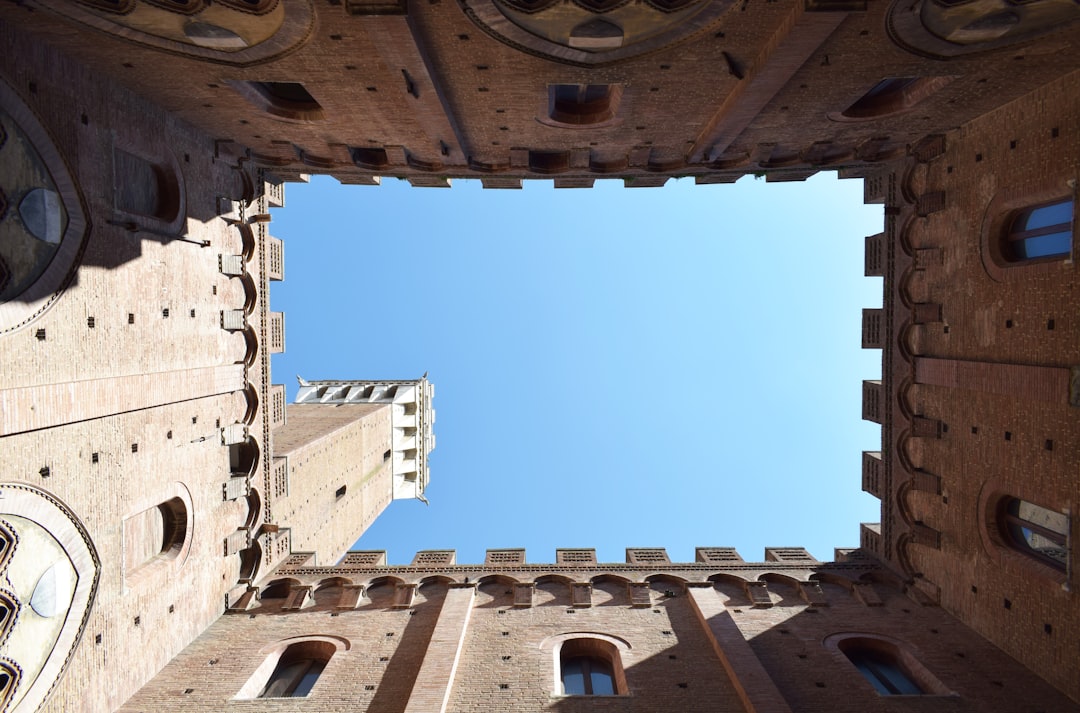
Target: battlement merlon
412,419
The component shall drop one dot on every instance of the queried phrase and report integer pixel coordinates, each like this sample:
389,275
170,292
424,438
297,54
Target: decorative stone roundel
237,32
949,28
51,573
42,225
592,32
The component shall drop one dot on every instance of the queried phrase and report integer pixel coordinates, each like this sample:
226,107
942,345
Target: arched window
297,671
291,670
882,670
893,95
590,667
288,100
1035,531
587,676
583,104
155,533
145,188
887,664
1042,231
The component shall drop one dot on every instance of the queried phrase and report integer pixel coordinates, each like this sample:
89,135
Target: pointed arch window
1041,231
1038,532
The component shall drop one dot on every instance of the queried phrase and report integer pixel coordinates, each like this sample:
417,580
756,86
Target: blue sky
665,367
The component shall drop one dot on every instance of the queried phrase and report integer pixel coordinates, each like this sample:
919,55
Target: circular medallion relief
42,225
229,31
50,578
949,28
591,32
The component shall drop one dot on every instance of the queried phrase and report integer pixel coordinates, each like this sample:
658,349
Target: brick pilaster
756,690
431,692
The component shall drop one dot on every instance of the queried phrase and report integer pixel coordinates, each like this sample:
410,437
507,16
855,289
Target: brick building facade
143,145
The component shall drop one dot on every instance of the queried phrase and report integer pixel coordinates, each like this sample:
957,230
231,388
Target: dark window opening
289,100
582,104
590,667
883,671
145,188
371,159
284,92
893,95
587,676
293,677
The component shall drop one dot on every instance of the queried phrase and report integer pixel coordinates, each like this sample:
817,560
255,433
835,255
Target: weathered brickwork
984,407
399,658
139,421
338,475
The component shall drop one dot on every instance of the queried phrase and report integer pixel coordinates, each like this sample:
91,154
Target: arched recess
251,403
250,561
61,573
552,589
158,535
731,586
251,342
784,586
610,590
251,294
380,591
909,452
904,505
906,397
149,189
495,591
885,578
664,579
903,557
254,509
279,588
244,457
833,578
328,591
909,342
43,230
